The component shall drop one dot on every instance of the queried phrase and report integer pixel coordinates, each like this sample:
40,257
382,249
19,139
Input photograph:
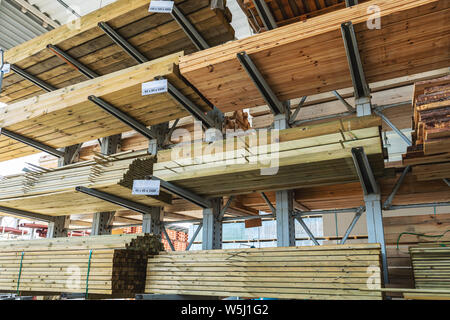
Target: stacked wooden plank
101,265
414,37
430,152
406,230
53,192
273,160
66,117
287,12
152,34
431,265
320,272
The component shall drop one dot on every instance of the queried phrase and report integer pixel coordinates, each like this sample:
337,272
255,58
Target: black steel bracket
268,95
185,194
189,29
120,115
122,42
364,171
32,143
38,82
265,14
27,214
65,57
125,203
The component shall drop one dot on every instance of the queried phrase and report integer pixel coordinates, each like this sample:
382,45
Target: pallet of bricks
431,265
179,239
430,153
99,266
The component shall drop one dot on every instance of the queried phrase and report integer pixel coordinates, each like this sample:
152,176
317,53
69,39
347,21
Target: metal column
375,229
59,227
151,222
2,65
102,221
212,226
284,199
70,155
285,218
161,131
372,199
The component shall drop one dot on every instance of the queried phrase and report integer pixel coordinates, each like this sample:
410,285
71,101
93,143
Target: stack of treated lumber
430,152
101,265
153,34
66,117
314,57
274,160
431,265
319,272
287,12
53,192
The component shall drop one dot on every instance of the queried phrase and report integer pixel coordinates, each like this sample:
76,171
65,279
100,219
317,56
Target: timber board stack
153,34
66,116
320,272
53,192
298,157
431,265
314,56
112,266
287,12
430,153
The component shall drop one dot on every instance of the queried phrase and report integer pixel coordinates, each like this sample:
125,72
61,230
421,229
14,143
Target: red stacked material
430,152
179,239
12,231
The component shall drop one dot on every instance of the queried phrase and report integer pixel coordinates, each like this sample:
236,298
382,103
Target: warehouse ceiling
22,20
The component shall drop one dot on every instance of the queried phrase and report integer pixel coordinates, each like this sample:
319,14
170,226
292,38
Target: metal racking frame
214,209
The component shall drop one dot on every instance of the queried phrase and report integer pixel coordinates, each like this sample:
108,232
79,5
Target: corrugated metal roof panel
58,12
16,27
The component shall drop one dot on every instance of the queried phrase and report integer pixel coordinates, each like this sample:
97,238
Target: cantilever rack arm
32,143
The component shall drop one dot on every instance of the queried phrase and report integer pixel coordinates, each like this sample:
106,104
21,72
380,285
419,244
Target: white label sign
146,187
161,6
153,87
6,68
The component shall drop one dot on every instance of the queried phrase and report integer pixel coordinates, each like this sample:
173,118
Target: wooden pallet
153,34
299,157
114,266
66,117
321,272
414,38
53,192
